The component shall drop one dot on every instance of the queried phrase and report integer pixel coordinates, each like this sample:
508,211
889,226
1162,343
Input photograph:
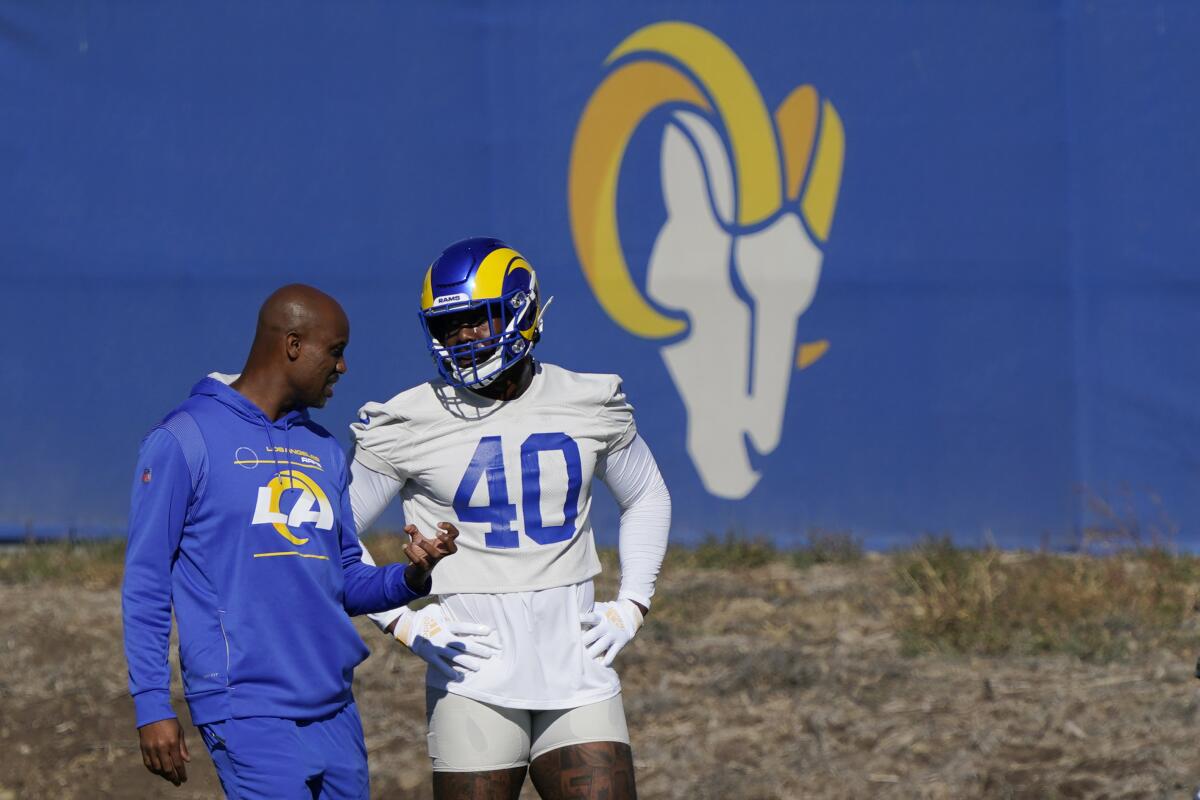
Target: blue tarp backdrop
883,267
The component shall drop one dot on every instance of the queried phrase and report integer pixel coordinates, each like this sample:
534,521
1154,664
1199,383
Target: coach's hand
609,627
425,553
164,751
447,644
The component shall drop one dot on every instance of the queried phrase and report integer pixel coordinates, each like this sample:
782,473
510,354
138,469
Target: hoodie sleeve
162,488
368,589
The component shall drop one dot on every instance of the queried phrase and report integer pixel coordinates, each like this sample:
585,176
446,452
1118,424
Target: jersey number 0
499,514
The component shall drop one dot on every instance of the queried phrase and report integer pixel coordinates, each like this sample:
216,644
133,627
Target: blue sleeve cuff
152,706
411,593
371,590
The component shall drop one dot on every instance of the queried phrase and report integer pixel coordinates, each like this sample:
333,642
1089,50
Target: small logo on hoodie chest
245,458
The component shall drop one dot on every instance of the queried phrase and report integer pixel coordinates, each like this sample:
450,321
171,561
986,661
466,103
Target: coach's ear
292,344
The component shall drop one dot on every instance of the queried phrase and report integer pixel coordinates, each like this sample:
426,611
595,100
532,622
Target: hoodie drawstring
287,447
274,454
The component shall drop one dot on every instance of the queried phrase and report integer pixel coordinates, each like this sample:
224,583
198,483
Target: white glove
448,645
612,626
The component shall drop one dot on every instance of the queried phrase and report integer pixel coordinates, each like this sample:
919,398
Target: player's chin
467,365
476,358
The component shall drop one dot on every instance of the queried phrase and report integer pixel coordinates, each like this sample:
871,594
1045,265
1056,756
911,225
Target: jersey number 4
499,514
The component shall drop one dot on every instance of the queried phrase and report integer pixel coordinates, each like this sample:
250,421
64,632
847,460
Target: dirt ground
775,682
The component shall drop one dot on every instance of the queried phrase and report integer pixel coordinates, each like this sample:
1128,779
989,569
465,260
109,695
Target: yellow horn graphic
711,78
796,119
820,198
739,104
610,118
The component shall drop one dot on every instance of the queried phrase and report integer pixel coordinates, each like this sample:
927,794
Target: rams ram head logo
750,198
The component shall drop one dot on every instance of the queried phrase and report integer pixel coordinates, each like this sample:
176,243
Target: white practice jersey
515,477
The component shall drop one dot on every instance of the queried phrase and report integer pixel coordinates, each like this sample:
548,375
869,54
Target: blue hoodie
244,525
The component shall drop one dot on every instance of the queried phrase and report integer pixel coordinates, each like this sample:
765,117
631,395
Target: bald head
296,307
298,350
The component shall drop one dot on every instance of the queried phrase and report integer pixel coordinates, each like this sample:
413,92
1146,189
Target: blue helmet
474,281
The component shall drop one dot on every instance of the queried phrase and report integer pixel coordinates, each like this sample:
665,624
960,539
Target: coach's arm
162,489
368,588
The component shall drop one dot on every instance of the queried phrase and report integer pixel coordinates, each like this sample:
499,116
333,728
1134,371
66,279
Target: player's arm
370,493
162,488
632,476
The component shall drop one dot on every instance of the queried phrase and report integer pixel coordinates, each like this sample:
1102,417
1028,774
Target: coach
240,520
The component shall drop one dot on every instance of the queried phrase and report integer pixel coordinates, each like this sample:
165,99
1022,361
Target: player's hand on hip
451,647
425,552
608,627
164,751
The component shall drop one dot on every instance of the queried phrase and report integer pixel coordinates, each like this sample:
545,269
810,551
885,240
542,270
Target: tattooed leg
591,771
498,784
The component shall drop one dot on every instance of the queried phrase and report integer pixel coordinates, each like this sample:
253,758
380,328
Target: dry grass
948,599
992,603
933,673
742,551
91,565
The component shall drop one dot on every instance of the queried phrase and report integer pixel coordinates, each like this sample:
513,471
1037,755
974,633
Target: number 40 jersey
514,476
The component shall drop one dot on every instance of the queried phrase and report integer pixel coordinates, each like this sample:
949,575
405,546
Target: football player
520,653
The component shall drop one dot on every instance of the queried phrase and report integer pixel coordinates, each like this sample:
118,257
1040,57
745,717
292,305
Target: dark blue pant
287,759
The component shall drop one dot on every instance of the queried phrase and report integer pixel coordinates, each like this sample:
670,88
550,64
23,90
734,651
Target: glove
612,625
448,645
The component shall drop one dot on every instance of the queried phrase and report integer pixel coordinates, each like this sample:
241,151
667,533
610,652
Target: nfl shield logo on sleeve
146,475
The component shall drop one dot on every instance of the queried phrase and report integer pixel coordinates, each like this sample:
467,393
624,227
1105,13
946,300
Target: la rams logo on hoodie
311,506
